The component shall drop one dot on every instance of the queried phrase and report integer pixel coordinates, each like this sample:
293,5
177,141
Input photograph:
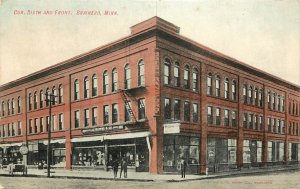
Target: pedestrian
183,166
115,166
123,167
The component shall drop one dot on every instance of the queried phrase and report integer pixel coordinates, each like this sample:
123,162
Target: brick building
153,97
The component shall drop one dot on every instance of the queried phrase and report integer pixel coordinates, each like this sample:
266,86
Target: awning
11,144
61,141
87,139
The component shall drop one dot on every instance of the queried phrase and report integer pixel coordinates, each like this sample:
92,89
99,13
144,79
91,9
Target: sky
262,33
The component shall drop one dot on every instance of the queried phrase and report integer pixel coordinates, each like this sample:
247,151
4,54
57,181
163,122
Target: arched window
2,108
278,103
167,71
19,104
250,95
186,77
176,74
233,90
8,107
94,86
127,76
274,101
256,96
226,88
86,87
35,100
269,100
41,98
195,79
60,94
245,93
114,76
282,104
208,83
218,80
47,97
29,102
105,82
141,72
260,98
53,97
12,106
76,90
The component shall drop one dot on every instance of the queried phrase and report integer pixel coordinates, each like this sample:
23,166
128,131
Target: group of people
123,165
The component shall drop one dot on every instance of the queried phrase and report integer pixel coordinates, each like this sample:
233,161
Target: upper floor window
167,109
115,113
269,100
233,118
209,115
114,76
195,79
208,83
218,116
250,121
250,95
86,117
19,128
8,107
61,121
233,90
127,76
255,96
274,101
60,94
282,103
105,114
19,104
2,108
76,119
94,85
186,77
226,88
54,95
47,97
141,73
29,102
226,118
41,124
260,97
245,93
218,80
269,124
176,109
94,116
244,120
167,71
186,110
35,100
128,111
41,98
278,103
195,112
261,123
176,74
105,82
86,87
12,106
142,108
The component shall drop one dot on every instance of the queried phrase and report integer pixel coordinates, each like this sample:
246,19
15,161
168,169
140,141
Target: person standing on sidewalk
124,167
115,166
183,166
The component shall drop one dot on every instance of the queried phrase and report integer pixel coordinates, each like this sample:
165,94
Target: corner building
153,97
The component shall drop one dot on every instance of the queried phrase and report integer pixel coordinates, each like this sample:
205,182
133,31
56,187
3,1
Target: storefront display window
252,151
10,155
220,151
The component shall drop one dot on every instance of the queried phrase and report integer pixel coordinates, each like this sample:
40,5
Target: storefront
181,146
275,152
252,153
9,153
221,154
294,153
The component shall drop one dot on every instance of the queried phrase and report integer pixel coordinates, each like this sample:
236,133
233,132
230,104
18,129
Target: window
226,88
35,125
250,95
76,118
278,103
226,118
208,83
260,98
245,94
8,107
218,116
35,100
250,121
114,77
167,109
94,116
269,124
94,86
195,112
53,123
261,123
4,131
269,100
47,97
233,90
274,124
177,75
47,123
2,108
127,76
176,109
255,96
19,128
60,94
273,101
53,97
114,113
278,126
76,90
60,121
255,117
218,80
142,108
41,124
141,72
186,77
12,106
282,104
283,126
8,129
244,120
186,110
29,102
19,104
13,129
128,111
41,98
195,80
86,117
233,119
105,82
105,114
209,115
167,71
86,87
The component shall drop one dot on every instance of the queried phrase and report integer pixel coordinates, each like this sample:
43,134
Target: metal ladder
127,105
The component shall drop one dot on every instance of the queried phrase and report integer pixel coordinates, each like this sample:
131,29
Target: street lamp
49,99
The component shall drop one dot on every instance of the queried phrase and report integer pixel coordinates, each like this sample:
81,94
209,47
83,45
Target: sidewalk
141,176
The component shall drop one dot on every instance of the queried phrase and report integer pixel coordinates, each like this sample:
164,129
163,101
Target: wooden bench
14,168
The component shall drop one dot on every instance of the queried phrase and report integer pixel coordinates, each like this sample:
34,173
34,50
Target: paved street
282,180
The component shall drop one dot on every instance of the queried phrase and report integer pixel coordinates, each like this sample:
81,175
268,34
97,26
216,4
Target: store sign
103,129
171,128
23,150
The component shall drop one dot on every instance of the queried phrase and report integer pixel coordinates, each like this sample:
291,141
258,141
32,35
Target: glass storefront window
221,151
88,156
